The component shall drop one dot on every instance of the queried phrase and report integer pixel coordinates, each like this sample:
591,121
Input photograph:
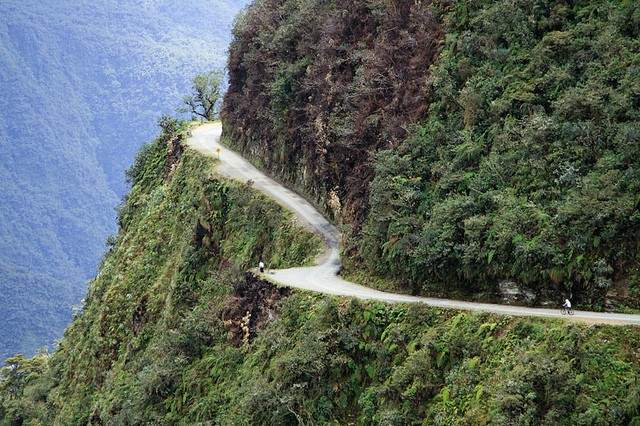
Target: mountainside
464,144
82,84
174,332
459,145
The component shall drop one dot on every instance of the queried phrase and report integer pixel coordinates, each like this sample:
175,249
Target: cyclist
567,305
261,266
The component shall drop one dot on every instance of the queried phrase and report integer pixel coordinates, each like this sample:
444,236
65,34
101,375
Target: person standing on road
261,266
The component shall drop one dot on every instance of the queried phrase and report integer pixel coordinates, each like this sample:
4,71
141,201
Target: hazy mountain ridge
82,84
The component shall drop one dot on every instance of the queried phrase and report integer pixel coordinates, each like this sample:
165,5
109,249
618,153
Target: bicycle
566,311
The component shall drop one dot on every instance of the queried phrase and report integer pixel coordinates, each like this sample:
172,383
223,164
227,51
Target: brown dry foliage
358,76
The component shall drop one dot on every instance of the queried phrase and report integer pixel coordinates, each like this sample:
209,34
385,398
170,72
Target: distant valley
82,85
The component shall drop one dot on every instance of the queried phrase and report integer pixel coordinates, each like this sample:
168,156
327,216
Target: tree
205,99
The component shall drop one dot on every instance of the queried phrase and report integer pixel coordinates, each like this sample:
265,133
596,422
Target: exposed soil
138,319
253,304
174,152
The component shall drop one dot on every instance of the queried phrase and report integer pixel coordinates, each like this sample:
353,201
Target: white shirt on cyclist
567,304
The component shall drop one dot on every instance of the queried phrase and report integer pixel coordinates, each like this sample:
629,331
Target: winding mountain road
323,277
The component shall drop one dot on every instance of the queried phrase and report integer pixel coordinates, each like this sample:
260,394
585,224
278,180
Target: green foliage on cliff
331,361
527,165
155,342
468,142
185,239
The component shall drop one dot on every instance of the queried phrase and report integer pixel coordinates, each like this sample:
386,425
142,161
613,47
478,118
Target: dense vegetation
81,84
527,166
518,153
162,337
185,238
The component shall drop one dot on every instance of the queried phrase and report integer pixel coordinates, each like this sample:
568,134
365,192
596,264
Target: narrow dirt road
323,277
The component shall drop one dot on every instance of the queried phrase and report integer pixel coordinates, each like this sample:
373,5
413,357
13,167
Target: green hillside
462,143
174,332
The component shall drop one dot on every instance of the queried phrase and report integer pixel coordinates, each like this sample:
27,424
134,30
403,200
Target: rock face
512,292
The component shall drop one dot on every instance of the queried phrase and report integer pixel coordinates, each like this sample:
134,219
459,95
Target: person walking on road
261,266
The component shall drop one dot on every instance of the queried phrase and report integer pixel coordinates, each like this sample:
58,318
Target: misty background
82,84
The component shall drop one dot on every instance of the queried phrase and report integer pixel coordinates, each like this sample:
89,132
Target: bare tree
205,99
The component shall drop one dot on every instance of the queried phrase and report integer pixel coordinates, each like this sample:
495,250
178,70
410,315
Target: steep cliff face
316,88
466,143
164,292
526,167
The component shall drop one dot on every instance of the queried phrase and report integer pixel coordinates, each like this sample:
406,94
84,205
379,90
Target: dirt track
323,277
